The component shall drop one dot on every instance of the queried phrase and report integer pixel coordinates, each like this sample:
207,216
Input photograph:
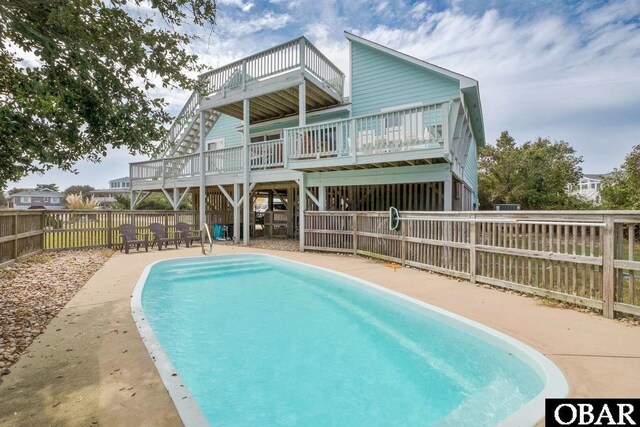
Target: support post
202,196
176,199
472,250
322,198
246,166
236,213
448,194
301,210
290,212
608,269
354,228
302,103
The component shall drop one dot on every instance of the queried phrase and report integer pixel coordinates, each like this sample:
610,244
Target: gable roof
33,192
468,86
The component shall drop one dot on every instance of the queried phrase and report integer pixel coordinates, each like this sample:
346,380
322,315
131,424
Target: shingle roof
38,193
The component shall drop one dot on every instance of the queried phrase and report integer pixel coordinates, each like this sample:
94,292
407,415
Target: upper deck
271,80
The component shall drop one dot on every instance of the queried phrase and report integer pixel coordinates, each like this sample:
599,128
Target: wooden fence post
608,270
15,237
109,229
472,250
403,247
354,228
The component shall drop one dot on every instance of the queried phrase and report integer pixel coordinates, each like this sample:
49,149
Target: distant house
116,186
38,199
588,188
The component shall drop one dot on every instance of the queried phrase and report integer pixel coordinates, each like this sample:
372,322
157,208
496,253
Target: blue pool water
263,341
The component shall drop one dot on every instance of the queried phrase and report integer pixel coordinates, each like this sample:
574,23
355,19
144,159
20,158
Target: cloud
545,68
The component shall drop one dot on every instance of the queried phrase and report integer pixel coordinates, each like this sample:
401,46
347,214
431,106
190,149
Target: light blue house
278,124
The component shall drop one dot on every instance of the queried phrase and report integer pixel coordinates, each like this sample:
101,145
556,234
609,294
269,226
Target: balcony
270,79
407,136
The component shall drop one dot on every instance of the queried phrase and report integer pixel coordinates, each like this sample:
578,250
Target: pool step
193,268
218,271
490,399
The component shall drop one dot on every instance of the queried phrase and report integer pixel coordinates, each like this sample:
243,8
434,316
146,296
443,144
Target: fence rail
21,235
585,258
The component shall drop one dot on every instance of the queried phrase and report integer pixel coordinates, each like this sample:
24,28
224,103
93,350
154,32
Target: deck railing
411,129
225,160
295,54
266,155
419,128
586,258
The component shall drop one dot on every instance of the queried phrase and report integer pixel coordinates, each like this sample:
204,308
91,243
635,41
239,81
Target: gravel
32,292
289,245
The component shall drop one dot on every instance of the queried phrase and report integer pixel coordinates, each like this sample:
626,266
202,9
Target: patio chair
160,238
130,237
187,234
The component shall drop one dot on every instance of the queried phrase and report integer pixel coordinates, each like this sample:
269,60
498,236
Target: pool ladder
204,231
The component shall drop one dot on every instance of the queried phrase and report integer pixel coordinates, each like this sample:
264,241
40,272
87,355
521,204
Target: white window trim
267,133
25,199
215,141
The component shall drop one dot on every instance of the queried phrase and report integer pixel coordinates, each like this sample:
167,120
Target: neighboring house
278,125
116,186
38,199
588,188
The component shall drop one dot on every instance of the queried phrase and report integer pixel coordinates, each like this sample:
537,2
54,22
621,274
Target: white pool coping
555,384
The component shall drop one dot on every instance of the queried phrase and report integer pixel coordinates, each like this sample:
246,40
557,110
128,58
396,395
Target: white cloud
544,74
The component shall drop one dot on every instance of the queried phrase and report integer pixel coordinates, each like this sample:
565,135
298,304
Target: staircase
184,135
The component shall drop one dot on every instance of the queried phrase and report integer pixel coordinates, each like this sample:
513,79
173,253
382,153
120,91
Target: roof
470,87
38,193
124,178
594,175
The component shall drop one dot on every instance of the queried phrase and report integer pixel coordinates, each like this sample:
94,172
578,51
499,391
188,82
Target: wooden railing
226,160
419,128
21,235
405,130
295,54
585,258
266,155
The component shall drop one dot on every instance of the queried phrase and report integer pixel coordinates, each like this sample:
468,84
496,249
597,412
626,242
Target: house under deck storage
276,126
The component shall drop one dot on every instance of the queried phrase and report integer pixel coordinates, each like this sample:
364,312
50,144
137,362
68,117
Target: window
55,200
25,199
266,137
215,144
593,185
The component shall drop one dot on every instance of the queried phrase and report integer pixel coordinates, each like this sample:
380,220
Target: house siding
380,80
225,128
471,170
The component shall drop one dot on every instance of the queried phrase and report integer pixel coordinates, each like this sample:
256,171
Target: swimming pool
259,340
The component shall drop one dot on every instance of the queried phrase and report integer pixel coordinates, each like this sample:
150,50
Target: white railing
321,67
266,155
295,54
146,171
418,128
182,167
320,140
226,160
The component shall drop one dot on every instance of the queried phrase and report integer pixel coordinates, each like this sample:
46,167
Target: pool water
263,341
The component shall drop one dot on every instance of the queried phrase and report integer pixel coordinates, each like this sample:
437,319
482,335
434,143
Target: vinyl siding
381,80
225,128
471,170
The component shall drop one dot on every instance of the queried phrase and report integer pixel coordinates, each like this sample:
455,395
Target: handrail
204,228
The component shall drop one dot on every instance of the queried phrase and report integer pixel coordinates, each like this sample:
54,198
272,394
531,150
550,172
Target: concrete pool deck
90,366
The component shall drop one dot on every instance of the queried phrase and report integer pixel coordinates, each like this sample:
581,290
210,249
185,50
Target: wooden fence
21,235
588,258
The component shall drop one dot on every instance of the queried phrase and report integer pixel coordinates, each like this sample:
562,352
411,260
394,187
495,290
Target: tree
621,188
122,202
77,189
52,187
90,86
534,175
4,201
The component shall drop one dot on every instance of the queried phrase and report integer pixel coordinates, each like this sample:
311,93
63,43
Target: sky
563,70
